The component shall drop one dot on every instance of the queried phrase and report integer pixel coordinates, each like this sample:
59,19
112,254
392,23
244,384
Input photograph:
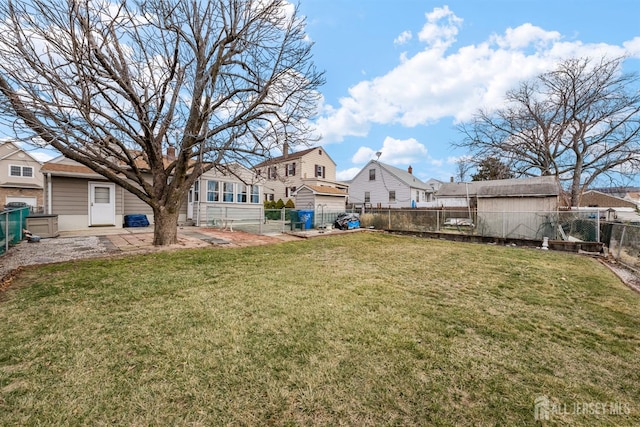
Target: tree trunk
165,227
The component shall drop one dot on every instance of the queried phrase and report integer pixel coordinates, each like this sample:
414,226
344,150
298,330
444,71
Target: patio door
102,203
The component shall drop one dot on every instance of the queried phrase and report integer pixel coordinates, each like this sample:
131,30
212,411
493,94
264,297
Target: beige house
20,177
285,174
82,199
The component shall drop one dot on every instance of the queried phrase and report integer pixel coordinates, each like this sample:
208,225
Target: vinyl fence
12,222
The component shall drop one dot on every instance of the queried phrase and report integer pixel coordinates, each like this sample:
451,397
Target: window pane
242,194
102,195
372,174
255,194
367,197
213,193
228,192
15,171
27,171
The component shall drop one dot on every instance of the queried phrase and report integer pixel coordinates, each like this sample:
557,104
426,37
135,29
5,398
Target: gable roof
291,156
402,175
541,186
17,149
594,198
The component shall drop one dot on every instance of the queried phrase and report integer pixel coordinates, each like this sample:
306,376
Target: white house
384,186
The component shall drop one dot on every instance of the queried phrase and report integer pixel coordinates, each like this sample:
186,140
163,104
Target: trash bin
136,220
306,218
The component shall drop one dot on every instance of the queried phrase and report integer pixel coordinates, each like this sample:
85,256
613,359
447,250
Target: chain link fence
12,222
623,241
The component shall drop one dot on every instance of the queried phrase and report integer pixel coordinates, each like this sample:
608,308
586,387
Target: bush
289,204
279,204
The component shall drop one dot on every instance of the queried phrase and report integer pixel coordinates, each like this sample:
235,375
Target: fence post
598,226
624,228
389,219
6,233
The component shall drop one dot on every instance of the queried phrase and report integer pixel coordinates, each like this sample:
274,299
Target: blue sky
401,74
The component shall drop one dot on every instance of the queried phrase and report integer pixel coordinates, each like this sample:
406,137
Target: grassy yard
360,329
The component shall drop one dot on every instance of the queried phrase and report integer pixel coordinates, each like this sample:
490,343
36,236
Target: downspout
198,202
49,189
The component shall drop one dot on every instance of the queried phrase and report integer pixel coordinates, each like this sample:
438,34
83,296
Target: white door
194,197
102,203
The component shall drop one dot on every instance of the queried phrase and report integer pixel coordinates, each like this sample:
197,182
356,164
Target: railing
12,224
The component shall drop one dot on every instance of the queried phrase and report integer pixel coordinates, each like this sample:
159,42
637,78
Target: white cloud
403,38
436,83
394,152
347,174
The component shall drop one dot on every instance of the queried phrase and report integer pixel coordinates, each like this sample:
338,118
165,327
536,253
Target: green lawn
359,329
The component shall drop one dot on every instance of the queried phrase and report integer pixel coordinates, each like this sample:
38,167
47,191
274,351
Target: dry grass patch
361,329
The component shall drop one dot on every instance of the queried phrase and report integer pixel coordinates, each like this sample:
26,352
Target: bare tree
113,84
464,165
580,122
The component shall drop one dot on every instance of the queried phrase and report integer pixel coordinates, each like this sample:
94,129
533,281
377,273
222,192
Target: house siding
305,173
19,186
379,188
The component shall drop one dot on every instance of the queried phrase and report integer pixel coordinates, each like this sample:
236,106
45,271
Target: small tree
289,204
579,122
113,85
492,168
279,204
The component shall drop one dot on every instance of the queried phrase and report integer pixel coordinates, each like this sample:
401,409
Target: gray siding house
379,185
83,199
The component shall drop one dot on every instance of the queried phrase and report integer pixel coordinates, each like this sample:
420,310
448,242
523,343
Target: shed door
102,204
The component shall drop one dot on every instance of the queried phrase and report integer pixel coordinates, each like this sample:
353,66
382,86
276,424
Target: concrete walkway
104,242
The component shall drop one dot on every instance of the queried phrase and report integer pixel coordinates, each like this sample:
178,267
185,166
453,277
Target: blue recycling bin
306,217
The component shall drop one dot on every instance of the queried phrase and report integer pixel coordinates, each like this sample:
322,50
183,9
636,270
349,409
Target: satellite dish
378,154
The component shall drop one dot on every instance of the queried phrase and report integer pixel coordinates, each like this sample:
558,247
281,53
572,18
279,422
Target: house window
227,192
372,174
241,195
255,194
320,171
367,197
213,191
196,191
272,172
289,191
270,197
392,196
291,169
23,171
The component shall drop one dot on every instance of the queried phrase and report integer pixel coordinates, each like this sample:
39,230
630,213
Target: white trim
22,168
112,197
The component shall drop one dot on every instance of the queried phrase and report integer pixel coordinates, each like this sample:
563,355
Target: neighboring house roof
402,175
593,198
542,186
17,149
290,156
62,169
323,190
458,189
20,185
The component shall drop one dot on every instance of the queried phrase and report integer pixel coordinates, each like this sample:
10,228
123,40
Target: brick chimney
410,170
285,150
171,153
